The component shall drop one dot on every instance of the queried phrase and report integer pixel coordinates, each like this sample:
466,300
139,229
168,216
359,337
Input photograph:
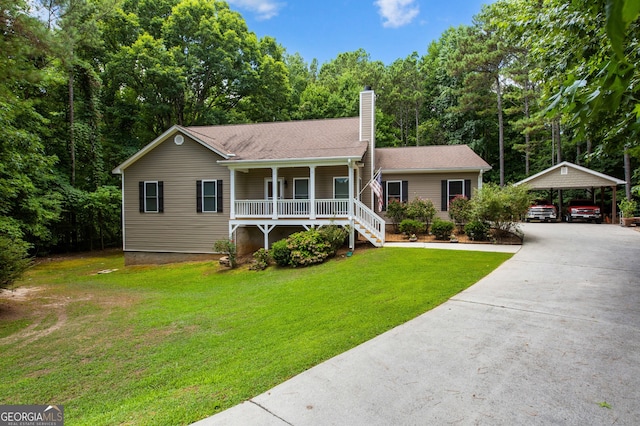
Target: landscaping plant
442,229
422,210
412,227
227,247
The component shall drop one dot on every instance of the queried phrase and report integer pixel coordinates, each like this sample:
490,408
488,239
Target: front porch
302,193
307,214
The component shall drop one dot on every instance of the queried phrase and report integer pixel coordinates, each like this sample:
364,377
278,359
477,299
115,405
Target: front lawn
173,344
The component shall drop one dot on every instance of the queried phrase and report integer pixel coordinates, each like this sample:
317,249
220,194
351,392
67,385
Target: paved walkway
550,337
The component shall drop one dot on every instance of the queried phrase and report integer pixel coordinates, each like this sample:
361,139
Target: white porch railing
373,226
291,208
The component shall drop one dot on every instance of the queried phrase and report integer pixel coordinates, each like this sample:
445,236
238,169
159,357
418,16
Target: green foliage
628,207
334,235
477,230
442,229
460,209
309,247
14,260
421,209
261,260
503,207
397,212
227,247
411,227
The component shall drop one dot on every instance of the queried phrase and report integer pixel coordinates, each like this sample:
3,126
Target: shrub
442,229
14,260
397,212
410,226
281,253
227,247
261,260
421,209
477,230
309,247
334,235
460,209
501,207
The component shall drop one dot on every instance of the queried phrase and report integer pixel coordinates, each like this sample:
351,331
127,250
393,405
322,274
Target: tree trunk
72,143
500,129
627,173
556,123
527,137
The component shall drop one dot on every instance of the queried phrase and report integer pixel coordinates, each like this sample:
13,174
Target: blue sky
386,29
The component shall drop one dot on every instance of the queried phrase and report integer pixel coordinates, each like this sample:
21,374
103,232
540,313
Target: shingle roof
285,140
433,157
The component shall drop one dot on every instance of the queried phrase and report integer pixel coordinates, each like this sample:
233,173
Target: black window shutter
384,195
219,198
198,196
467,188
444,197
160,197
141,195
405,191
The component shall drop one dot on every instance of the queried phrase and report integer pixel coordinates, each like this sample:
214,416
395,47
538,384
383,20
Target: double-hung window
151,197
209,196
452,188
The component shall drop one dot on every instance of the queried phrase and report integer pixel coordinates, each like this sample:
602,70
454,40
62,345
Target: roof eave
575,166
231,163
437,170
157,141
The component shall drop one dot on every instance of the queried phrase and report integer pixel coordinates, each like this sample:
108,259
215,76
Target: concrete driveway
550,337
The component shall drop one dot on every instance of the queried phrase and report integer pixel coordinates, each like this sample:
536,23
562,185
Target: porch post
351,190
312,192
274,191
232,192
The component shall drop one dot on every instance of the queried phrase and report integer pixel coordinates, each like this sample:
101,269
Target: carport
567,175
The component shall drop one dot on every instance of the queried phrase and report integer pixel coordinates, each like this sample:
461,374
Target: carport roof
567,175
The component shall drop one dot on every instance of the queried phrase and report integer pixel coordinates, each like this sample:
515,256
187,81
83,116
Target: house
258,183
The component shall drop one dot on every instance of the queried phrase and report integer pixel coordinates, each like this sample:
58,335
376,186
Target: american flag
376,185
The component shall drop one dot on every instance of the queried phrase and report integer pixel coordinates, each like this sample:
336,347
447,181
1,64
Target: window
452,188
301,188
394,191
151,196
268,188
209,196
340,187
456,187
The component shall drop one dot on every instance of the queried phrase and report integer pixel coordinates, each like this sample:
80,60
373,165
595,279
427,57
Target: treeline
86,83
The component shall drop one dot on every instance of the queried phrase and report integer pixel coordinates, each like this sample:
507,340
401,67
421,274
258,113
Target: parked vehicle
585,210
542,211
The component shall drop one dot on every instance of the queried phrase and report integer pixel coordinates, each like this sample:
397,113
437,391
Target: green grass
173,344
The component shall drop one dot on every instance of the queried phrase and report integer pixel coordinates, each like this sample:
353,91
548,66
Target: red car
585,210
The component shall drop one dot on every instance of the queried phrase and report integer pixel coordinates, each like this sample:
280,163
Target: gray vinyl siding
428,186
179,228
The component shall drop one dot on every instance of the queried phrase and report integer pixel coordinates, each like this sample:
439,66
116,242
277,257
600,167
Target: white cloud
396,13
265,9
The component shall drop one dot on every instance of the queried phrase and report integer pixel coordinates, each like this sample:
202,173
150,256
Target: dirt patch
19,294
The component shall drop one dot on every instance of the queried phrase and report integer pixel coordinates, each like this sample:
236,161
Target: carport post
614,206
